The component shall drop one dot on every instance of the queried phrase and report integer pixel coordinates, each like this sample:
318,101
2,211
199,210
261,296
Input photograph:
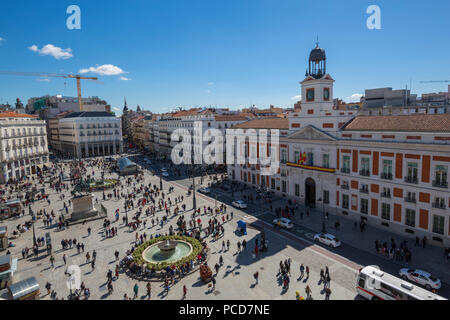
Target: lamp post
324,228
126,213
34,232
160,183
194,200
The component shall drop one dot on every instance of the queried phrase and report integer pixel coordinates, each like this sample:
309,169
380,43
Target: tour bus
374,284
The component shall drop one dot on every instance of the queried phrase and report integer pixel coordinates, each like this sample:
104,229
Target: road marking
317,249
310,235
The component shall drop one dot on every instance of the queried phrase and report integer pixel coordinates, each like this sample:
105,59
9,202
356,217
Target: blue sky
230,53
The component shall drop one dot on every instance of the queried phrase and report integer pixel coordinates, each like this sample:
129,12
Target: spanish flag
302,158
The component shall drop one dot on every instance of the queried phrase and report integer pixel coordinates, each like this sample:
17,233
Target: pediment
311,133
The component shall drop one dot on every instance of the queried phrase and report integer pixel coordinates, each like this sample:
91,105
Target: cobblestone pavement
234,280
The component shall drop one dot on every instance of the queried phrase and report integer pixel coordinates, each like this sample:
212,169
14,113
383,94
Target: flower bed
196,250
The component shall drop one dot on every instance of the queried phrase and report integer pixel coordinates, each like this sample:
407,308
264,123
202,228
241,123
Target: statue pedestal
83,208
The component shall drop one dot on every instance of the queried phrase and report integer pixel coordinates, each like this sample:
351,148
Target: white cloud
124,79
210,83
43,80
51,50
2,39
297,98
116,109
208,91
356,97
104,70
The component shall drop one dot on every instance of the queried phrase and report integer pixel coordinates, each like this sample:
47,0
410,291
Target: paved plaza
234,279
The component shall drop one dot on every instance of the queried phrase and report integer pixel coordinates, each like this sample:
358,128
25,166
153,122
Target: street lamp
324,228
194,200
160,183
126,213
34,232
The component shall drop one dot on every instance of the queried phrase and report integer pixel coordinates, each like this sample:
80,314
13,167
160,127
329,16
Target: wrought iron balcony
410,179
345,170
364,172
438,205
410,199
440,184
364,190
386,176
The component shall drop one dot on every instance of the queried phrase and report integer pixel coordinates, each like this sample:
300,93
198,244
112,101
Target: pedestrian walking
52,260
64,259
135,290
307,272
327,293
302,270
149,289
308,292
48,286
184,291
256,275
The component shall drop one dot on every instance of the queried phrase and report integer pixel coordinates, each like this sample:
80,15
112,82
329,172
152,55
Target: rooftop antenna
317,42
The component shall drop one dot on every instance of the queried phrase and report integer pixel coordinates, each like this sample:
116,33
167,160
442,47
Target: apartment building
90,134
24,149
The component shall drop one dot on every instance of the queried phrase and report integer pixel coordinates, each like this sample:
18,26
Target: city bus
375,284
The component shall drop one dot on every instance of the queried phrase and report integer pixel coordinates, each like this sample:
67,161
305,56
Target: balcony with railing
386,194
439,204
345,170
386,176
410,199
364,172
411,179
364,189
345,187
440,184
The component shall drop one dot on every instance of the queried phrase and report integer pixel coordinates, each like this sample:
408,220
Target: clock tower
317,87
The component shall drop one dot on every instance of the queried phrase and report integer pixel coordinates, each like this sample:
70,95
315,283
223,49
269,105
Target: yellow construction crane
54,75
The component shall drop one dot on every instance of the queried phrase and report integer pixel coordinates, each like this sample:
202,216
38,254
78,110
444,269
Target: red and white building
390,171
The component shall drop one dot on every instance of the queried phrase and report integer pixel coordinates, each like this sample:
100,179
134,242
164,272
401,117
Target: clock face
310,95
326,94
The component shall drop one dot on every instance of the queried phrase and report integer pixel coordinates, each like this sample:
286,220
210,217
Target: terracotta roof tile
12,114
410,123
231,117
266,123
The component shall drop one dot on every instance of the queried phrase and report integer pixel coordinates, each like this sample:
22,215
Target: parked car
327,239
204,190
239,204
284,223
163,170
420,277
165,174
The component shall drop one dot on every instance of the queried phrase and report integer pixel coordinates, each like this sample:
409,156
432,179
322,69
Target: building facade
390,171
24,149
90,134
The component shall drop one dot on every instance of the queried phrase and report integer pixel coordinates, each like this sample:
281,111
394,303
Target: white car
204,190
165,174
163,170
239,204
420,277
327,239
284,223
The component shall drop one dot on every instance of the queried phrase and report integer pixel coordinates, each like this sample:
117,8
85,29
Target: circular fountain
167,251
